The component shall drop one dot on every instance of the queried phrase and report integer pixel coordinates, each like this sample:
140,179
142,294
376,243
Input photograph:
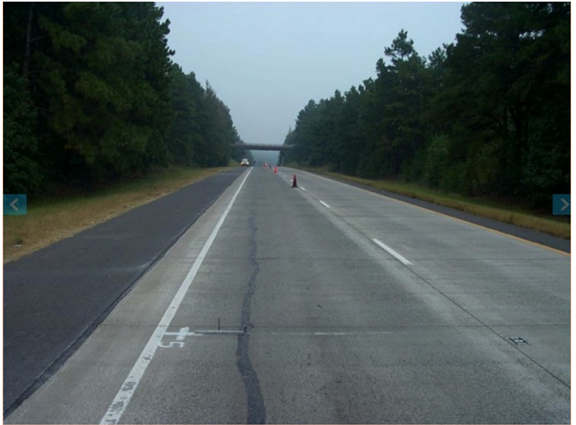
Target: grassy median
483,207
49,221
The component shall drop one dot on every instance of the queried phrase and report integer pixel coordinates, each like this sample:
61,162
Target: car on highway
245,163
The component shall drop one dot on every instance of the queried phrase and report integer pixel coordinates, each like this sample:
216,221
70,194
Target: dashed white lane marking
325,204
302,188
566,254
122,399
392,252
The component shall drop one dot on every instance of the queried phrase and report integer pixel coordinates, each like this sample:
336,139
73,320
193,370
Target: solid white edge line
325,204
391,252
120,403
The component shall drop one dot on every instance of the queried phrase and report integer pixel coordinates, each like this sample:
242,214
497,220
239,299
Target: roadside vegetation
93,98
98,119
486,117
51,220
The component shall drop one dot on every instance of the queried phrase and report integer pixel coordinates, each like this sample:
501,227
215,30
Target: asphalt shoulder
54,298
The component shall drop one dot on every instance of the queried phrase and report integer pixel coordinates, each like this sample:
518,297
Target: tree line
486,115
91,96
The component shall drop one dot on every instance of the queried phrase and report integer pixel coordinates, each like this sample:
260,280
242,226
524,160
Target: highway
326,303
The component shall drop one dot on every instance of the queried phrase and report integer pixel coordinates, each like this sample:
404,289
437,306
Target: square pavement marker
15,205
561,204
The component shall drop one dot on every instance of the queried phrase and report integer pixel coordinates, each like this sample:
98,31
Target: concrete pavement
321,324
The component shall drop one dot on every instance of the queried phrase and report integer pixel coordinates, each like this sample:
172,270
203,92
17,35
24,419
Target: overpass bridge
254,147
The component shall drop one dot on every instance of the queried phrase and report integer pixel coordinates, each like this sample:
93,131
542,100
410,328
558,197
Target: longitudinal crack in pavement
255,401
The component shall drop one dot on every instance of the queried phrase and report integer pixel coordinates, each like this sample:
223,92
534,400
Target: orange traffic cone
294,184
275,170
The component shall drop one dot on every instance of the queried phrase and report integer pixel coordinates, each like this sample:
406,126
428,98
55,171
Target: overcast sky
267,60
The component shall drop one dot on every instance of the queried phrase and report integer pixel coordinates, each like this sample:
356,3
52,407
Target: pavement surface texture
55,297
326,303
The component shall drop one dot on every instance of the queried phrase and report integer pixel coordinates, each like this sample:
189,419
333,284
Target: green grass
503,211
50,220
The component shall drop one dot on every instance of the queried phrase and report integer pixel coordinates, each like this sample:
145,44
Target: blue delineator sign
561,204
15,205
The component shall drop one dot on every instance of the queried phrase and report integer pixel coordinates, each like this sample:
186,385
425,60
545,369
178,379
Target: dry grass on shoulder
52,221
